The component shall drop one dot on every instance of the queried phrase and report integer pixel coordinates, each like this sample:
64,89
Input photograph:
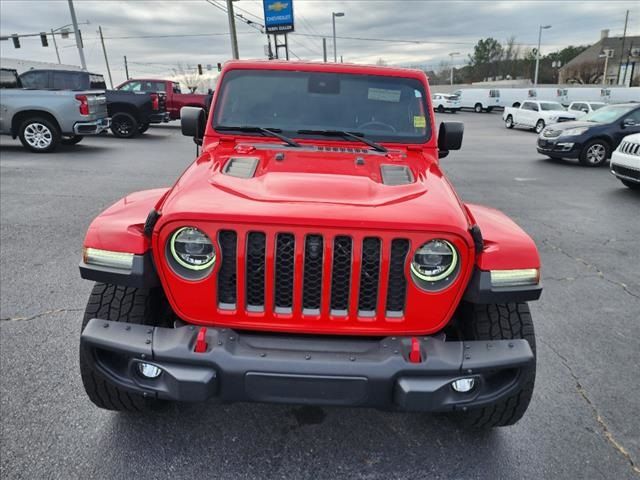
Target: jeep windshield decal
368,108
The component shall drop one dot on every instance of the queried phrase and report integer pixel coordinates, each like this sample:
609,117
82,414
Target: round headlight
434,261
192,249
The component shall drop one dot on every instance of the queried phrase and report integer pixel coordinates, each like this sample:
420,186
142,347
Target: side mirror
449,137
585,110
192,123
628,122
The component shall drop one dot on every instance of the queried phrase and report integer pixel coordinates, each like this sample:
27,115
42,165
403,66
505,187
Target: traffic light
219,67
199,69
43,39
16,40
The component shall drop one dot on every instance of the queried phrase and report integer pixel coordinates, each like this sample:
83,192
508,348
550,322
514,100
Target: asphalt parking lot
583,421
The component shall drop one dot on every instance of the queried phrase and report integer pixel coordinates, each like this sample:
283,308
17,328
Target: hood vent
242,167
324,148
396,175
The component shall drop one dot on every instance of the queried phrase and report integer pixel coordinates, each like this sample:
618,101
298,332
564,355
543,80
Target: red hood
319,187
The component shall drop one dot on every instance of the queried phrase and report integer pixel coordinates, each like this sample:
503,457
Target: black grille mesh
369,276
397,286
312,286
255,270
227,278
285,250
341,274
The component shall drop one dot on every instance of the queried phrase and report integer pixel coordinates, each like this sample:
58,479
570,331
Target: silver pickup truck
43,119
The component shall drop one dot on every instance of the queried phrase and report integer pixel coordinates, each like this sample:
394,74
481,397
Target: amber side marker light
107,258
515,278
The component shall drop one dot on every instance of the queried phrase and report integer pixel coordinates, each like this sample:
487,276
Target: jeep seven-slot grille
320,257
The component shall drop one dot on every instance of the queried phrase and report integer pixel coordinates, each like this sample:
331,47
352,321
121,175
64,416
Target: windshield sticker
419,122
384,95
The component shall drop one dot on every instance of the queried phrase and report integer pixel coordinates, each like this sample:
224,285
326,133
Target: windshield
608,114
391,109
551,106
596,106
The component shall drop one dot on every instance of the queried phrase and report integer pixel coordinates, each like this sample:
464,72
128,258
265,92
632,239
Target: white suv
625,161
445,102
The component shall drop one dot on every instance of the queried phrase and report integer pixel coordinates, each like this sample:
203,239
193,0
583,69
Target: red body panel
312,191
175,101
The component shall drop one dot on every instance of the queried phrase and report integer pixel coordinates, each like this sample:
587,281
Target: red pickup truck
175,98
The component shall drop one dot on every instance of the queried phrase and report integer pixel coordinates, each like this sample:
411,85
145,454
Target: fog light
463,385
149,371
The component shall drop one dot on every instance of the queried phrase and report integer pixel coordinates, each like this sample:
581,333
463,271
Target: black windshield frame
420,102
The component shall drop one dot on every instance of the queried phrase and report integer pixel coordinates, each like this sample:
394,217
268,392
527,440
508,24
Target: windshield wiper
340,133
274,132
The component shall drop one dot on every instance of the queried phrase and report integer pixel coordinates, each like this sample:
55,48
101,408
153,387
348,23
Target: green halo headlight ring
180,261
443,275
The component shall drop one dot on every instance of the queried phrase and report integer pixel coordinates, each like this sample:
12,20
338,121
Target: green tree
484,61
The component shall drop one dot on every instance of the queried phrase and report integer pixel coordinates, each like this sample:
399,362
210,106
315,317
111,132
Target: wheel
477,108
39,135
128,305
440,109
630,184
509,122
71,140
595,153
143,128
124,125
539,126
499,322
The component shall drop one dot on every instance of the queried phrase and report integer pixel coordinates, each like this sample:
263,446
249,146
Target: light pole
535,78
452,54
333,19
77,34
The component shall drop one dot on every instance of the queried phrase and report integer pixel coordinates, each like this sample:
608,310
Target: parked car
581,109
535,115
130,112
316,256
443,102
625,161
175,98
593,138
479,99
42,119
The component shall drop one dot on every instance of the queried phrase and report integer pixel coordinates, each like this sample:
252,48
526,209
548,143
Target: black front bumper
297,369
565,147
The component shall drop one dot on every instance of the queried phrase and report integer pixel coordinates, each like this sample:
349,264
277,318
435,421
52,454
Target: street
583,420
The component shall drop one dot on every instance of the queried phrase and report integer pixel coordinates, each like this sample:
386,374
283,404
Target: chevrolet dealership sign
278,16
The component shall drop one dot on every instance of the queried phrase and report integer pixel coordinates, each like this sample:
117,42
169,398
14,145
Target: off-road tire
71,140
43,126
128,305
124,125
630,184
585,153
499,322
509,121
477,108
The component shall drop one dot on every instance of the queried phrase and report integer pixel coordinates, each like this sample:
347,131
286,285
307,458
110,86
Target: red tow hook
201,343
414,355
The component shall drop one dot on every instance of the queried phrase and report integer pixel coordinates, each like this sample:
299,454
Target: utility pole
535,78
452,54
55,44
232,30
77,35
324,49
624,37
126,67
106,59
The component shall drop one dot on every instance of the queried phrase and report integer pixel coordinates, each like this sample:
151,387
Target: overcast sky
437,28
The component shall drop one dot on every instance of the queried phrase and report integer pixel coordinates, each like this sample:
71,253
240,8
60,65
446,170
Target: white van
479,99
620,94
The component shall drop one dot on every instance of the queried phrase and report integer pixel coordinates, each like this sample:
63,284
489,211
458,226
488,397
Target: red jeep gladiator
313,253
175,98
